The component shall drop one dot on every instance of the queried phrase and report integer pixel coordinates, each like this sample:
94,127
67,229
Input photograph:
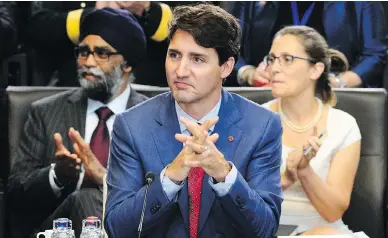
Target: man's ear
227,67
125,67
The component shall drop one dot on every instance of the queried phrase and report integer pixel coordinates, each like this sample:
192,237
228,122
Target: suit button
238,199
240,202
155,207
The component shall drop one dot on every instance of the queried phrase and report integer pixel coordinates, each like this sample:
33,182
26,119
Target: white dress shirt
222,188
117,106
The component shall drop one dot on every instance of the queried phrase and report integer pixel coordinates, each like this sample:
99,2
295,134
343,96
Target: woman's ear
317,70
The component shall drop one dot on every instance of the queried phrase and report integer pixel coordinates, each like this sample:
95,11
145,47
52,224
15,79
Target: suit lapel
78,104
76,111
183,202
164,136
134,98
256,12
329,17
227,143
74,116
168,148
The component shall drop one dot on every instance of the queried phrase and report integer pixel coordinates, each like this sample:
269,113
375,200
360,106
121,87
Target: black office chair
367,207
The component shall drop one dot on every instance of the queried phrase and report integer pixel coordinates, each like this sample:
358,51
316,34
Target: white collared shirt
210,115
170,188
117,106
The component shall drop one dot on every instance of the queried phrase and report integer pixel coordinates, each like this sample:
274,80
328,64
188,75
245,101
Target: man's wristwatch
341,82
56,180
229,169
338,80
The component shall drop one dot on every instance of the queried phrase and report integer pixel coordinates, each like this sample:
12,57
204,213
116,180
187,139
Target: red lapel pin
230,138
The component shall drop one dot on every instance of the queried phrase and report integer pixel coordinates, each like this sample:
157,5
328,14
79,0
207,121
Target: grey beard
105,86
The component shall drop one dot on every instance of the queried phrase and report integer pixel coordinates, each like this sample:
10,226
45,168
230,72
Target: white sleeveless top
342,130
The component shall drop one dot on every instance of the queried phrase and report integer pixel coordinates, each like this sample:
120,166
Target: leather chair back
367,208
19,100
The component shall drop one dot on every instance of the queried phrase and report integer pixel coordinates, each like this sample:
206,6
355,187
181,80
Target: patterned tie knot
104,113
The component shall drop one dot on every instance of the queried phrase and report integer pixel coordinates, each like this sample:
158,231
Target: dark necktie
99,143
195,180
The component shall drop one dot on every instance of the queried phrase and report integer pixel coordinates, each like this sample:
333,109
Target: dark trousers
77,206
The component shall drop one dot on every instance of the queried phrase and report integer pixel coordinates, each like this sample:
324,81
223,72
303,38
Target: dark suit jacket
250,209
8,29
30,193
357,29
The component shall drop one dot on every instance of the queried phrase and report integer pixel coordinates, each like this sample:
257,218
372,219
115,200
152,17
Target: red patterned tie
195,180
99,143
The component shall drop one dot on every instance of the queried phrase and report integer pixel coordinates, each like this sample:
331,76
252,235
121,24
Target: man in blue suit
224,179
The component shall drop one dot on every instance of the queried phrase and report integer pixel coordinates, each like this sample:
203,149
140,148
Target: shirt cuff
240,72
81,178
57,190
169,187
223,188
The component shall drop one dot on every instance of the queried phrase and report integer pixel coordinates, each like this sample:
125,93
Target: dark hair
318,51
211,27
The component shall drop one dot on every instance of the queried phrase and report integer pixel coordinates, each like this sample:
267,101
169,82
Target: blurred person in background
9,41
8,29
53,32
356,29
59,20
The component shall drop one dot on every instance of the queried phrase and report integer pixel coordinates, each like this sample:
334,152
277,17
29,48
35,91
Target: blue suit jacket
357,29
143,140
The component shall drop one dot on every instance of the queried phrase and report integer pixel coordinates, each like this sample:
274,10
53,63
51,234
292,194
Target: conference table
290,231
355,235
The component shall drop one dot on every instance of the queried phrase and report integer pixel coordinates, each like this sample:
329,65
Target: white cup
46,234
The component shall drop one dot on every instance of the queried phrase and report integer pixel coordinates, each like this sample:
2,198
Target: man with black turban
51,177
